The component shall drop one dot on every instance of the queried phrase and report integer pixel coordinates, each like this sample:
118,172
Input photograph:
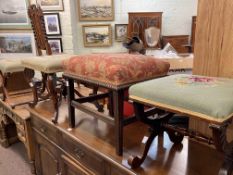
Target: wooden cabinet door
46,157
139,21
70,167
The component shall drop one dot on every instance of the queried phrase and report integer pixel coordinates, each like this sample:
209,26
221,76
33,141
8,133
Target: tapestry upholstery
11,65
47,64
208,98
116,69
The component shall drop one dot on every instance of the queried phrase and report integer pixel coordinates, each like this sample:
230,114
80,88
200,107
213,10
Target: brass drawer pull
79,153
43,130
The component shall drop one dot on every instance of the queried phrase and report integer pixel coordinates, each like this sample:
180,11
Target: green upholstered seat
46,64
11,65
207,98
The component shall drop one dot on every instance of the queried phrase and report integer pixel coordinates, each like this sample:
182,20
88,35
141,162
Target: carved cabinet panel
46,157
138,22
69,167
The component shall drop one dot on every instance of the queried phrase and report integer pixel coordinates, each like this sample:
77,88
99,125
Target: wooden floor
189,158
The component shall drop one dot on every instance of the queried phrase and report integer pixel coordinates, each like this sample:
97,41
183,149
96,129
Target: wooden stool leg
136,161
110,104
53,95
221,144
70,98
118,98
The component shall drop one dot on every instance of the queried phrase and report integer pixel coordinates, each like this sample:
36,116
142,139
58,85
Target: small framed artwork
56,45
96,10
17,44
13,14
97,35
51,5
52,24
121,31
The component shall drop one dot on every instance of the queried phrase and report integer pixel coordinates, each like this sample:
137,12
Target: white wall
176,20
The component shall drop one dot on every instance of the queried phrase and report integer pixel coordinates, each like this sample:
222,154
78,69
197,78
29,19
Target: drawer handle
79,153
43,130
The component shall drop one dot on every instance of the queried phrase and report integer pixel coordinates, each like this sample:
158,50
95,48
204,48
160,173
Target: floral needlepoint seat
183,96
116,69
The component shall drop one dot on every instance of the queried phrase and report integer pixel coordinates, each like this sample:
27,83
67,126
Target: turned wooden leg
3,84
29,74
70,98
136,161
118,98
221,144
53,95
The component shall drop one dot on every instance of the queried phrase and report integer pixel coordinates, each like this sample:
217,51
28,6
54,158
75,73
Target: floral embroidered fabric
193,80
116,69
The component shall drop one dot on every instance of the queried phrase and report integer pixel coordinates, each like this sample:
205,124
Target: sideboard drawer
45,129
83,155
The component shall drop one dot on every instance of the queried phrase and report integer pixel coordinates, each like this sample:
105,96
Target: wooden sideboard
139,21
179,42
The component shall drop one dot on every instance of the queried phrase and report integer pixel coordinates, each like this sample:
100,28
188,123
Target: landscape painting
52,24
17,44
121,32
56,45
13,14
97,35
51,5
96,10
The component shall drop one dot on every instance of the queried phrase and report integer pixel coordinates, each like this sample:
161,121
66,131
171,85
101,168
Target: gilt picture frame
13,14
97,35
121,32
17,44
96,10
56,45
52,24
51,5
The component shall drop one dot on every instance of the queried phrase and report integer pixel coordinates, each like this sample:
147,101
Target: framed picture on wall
52,24
56,45
17,44
97,35
13,14
121,32
96,10
51,5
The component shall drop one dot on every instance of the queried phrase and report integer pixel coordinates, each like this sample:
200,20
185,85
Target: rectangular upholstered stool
50,86
12,68
206,98
114,73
